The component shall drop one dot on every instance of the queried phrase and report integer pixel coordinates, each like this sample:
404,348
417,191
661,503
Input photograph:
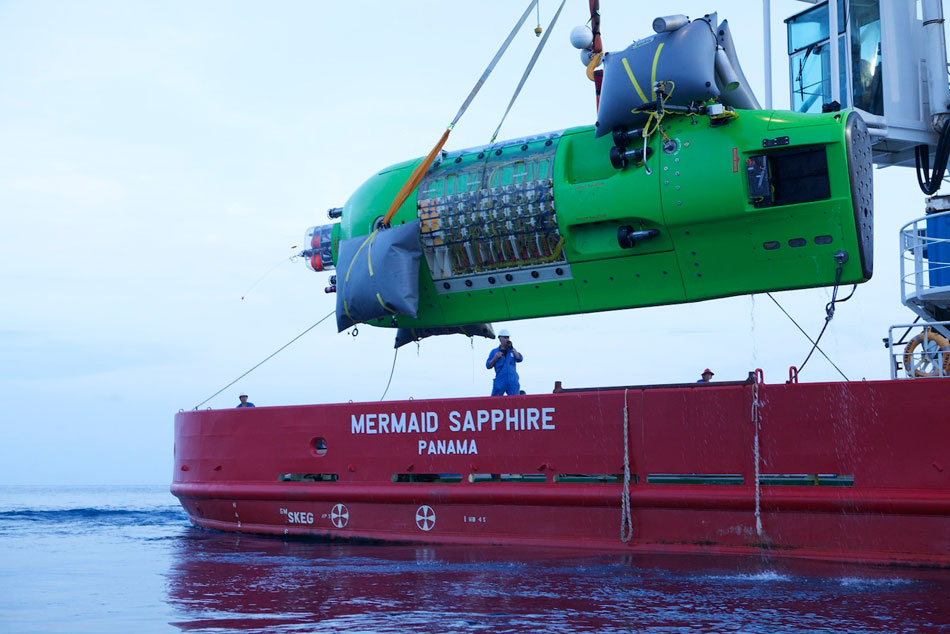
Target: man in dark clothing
244,402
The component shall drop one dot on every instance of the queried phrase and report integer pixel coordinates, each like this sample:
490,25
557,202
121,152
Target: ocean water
126,559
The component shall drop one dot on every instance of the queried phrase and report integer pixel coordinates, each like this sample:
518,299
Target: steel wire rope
829,313
269,357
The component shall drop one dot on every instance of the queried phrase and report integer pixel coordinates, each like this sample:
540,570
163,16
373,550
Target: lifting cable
417,174
271,356
597,45
812,341
527,71
829,314
596,50
391,372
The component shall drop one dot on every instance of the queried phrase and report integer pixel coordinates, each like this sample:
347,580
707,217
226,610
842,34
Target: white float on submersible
669,23
725,71
582,37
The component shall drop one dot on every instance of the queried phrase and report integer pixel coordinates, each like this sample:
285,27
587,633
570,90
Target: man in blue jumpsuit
504,359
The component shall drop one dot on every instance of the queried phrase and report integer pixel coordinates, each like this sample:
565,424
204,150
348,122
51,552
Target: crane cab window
859,57
810,58
866,56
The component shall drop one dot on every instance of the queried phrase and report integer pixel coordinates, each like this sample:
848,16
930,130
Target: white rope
755,423
391,372
271,356
626,521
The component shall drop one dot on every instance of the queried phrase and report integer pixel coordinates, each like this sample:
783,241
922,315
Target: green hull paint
712,238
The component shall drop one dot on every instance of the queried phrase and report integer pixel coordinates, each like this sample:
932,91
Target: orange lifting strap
416,177
597,48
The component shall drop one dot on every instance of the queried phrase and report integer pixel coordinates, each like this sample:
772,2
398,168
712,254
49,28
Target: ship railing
919,350
559,386
925,267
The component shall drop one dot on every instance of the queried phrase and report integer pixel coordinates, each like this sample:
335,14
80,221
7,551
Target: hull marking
340,516
425,518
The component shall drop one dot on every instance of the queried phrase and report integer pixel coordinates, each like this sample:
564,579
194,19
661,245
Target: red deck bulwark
891,437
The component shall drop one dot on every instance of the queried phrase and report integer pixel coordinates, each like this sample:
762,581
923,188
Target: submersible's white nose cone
581,37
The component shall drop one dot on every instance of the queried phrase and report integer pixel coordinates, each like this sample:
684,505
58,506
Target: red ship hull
846,471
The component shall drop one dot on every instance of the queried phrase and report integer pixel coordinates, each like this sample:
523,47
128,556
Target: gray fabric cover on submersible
408,335
378,275
688,59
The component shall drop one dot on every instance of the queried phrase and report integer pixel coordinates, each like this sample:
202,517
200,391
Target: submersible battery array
682,192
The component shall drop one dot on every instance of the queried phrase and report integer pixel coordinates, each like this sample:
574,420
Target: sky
160,162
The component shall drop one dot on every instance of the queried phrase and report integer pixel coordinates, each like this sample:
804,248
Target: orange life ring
943,349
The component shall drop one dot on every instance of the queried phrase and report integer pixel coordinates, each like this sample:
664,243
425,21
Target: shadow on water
255,584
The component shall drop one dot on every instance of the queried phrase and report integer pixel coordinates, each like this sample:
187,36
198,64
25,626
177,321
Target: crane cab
896,77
